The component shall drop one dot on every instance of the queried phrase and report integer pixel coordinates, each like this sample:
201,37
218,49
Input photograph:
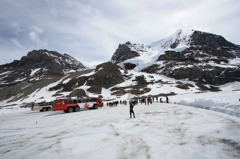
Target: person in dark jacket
167,100
131,109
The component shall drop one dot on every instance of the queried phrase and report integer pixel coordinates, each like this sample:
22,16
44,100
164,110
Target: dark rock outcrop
211,40
204,74
123,53
78,93
141,81
106,75
176,56
129,66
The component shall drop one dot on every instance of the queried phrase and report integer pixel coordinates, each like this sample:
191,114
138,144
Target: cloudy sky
91,30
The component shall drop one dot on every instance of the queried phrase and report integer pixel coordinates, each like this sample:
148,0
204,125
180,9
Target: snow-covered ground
160,130
227,100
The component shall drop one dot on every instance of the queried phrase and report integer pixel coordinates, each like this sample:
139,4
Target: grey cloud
91,30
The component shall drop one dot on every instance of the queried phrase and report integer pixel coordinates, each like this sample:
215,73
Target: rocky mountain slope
197,56
183,63
38,69
105,75
37,65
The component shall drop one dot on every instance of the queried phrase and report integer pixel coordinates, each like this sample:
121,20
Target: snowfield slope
159,130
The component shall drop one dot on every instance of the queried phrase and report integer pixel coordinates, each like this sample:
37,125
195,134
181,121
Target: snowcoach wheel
95,106
43,109
77,109
70,109
65,111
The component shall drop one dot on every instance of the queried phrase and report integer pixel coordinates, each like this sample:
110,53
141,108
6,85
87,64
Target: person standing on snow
167,100
131,109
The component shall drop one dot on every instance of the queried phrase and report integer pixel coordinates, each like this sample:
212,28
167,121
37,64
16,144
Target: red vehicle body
69,105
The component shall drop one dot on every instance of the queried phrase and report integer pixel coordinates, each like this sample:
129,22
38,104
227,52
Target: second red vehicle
69,105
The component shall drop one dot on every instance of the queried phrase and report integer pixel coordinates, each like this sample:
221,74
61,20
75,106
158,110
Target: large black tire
65,111
77,109
70,109
43,109
95,106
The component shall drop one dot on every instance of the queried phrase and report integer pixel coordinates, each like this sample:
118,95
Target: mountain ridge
205,53
175,64
37,65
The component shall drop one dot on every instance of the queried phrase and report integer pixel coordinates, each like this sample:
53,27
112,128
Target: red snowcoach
69,105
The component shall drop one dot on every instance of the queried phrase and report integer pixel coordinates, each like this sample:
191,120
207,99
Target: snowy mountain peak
183,39
178,41
183,55
140,48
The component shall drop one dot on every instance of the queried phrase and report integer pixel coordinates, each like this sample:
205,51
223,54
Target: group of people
115,103
112,104
133,102
149,100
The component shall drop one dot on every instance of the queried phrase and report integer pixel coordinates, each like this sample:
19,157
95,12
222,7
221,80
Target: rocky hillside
197,56
105,75
37,65
196,62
